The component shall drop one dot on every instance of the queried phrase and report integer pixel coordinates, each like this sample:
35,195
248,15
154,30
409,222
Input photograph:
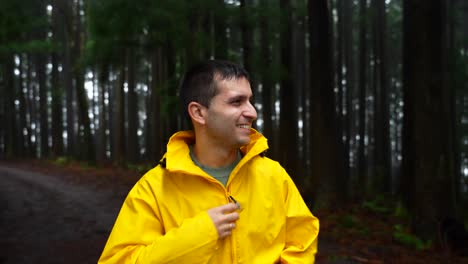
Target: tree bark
453,81
40,62
9,116
427,137
101,138
248,42
64,8
132,108
119,119
154,116
174,110
87,150
22,140
57,94
32,109
288,113
327,154
382,178
57,108
267,80
220,37
363,60
345,78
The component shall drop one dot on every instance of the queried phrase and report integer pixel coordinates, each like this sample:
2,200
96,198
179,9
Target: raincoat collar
178,158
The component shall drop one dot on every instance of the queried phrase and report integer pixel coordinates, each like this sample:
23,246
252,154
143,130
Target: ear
197,112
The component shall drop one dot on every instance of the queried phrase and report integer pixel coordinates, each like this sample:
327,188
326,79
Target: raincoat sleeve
301,228
138,235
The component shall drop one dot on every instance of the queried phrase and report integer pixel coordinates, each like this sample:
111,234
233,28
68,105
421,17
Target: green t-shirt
220,174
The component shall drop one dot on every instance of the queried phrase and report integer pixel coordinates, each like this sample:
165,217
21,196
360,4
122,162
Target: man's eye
236,102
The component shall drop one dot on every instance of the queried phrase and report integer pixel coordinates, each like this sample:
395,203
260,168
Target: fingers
233,216
223,218
229,226
224,213
226,230
227,208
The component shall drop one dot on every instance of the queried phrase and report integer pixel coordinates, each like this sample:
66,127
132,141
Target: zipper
234,243
233,200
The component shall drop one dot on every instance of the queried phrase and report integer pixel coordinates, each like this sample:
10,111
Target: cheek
220,122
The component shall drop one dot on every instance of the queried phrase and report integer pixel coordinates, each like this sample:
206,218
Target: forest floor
44,225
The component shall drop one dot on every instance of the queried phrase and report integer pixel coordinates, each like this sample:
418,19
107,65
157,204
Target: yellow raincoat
164,218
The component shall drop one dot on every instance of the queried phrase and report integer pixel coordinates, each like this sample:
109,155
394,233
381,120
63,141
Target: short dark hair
199,82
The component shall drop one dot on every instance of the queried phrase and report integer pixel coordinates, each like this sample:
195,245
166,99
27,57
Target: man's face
230,114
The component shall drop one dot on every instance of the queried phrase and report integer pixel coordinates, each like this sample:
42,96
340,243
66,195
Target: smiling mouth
244,126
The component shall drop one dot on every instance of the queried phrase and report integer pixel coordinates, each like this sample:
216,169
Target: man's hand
224,218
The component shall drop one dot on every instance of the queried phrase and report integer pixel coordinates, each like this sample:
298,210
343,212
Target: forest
361,100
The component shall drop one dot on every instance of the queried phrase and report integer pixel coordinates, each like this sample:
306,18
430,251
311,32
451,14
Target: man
215,197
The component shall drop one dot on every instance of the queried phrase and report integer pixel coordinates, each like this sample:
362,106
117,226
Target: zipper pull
239,207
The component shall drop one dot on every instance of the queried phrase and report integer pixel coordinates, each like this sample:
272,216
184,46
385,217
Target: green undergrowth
140,168
381,220
64,161
402,235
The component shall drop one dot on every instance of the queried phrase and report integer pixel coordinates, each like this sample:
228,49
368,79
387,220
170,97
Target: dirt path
59,217
46,220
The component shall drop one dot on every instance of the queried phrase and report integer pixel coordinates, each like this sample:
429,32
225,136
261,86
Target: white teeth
244,126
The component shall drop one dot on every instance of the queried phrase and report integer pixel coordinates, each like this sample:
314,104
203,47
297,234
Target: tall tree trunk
9,116
339,47
221,41
119,119
165,99
87,150
57,108
132,108
349,87
3,107
112,90
21,119
452,81
382,179
299,72
173,116
248,42
154,117
362,161
23,135
427,137
31,109
57,88
40,63
327,154
196,34
344,78
288,113
101,138
267,80
65,29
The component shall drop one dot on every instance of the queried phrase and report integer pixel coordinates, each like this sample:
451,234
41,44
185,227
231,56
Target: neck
214,156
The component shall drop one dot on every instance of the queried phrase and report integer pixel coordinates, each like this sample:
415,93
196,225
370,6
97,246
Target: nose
250,112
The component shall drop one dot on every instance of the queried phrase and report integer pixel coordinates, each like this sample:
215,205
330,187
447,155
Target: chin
243,142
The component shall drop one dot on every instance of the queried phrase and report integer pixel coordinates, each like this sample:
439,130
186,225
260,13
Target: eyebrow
240,97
